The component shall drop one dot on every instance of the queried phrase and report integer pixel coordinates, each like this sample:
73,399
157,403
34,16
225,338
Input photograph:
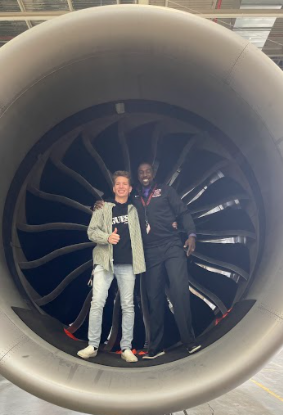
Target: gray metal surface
200,67
260,395
17,16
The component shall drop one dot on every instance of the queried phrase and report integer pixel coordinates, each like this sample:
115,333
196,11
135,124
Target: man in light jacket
119,251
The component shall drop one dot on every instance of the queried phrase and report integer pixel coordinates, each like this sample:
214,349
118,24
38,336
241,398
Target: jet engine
104,89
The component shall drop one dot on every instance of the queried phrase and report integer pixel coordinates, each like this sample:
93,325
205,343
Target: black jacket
164,208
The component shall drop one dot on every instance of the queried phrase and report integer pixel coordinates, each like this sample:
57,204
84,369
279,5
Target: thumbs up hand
114,238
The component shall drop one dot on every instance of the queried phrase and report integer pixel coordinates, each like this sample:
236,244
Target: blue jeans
101,283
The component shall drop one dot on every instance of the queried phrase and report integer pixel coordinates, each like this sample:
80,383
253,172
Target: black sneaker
153,355
193,348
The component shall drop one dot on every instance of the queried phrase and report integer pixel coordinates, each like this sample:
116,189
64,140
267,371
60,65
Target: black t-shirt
122,252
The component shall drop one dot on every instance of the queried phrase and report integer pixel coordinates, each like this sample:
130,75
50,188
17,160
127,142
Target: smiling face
145,174
122,188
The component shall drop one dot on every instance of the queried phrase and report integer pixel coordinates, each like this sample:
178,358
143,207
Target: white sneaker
152,355
194,348
129,356
88,352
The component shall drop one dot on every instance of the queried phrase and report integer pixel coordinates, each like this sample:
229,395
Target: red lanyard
149,197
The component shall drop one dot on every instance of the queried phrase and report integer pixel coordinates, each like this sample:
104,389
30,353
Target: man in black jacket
158,207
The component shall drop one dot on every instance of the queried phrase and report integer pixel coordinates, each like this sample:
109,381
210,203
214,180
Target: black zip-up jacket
164,208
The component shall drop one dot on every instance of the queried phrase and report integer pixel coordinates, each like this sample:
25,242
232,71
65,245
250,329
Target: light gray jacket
99,230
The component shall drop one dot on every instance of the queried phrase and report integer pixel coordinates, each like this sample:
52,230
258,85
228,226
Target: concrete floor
261,395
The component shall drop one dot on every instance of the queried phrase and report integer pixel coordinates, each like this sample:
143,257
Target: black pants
172,258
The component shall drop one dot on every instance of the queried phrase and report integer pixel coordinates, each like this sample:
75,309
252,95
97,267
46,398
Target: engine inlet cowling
191,101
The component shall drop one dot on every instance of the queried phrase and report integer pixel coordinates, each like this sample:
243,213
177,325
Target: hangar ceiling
260,21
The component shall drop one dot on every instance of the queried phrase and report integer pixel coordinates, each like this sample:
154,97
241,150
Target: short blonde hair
121,173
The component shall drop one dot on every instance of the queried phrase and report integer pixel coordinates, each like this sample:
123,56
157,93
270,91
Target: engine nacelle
215,85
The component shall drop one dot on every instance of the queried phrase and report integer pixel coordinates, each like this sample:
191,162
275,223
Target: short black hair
146,162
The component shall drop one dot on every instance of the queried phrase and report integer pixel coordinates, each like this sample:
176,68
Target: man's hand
98,205
190,244
114,238
175,225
